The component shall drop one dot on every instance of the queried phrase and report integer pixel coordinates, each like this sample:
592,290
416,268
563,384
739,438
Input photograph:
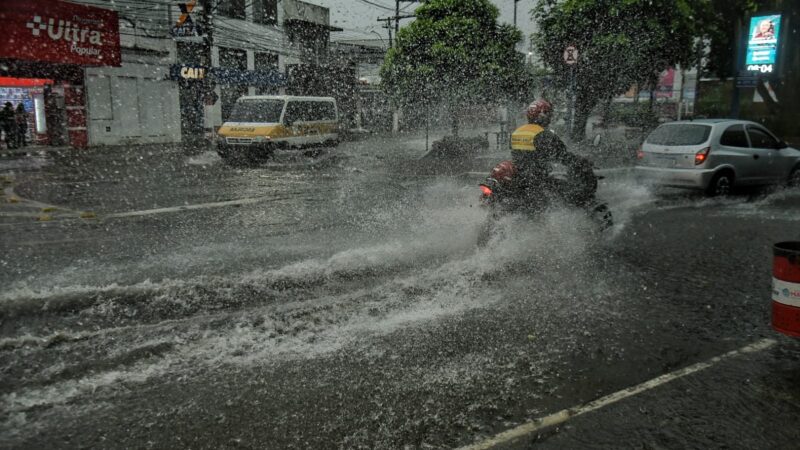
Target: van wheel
720,185
794,178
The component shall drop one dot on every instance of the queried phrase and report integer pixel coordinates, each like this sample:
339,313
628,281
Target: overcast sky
358,17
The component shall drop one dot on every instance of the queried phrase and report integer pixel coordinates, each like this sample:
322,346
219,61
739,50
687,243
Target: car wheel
720,185
794,178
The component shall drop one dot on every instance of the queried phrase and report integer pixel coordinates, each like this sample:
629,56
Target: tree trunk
579,126
454,123
605,118
653,87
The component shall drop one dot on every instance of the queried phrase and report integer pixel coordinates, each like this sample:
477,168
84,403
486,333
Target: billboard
59,32
762,43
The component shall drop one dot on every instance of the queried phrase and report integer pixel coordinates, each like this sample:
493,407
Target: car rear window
679,134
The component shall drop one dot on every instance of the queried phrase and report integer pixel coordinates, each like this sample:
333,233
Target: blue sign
247,77
233,77
762,43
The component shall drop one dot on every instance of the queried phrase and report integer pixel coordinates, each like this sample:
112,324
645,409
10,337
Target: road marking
565,414
148,212
596,171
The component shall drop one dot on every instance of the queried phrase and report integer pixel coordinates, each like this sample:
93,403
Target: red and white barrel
786,288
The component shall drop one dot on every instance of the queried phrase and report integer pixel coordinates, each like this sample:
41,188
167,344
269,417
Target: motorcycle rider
526,179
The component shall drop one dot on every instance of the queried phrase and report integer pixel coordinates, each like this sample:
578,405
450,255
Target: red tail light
639,153
701,156
486,190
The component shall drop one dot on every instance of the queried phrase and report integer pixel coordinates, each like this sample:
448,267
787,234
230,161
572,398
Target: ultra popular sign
762,43
59,32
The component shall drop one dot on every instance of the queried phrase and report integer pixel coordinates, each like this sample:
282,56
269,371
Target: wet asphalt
157,299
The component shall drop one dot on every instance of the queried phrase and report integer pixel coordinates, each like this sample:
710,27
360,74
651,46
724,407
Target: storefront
43,53
26,97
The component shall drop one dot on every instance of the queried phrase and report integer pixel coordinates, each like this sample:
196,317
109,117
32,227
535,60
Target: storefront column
75,104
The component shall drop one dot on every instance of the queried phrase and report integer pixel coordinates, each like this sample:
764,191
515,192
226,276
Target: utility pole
208,46
515,13
396,18
388,26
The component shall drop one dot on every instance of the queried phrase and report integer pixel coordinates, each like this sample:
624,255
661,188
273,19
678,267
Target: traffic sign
571,55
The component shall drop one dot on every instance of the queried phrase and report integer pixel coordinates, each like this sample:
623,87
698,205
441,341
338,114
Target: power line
388,8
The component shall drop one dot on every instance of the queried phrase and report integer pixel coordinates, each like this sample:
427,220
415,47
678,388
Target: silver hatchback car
713,155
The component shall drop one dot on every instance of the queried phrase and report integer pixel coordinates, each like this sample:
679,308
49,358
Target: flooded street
342,302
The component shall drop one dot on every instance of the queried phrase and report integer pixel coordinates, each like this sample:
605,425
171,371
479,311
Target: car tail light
639,153
486,190
701,156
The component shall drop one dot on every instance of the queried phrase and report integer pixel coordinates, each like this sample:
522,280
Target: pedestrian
7,124
21,119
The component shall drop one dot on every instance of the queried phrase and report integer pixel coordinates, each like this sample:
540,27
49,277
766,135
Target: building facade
139,71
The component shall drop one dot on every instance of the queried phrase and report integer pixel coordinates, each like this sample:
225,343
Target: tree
620,42
454,53
727,16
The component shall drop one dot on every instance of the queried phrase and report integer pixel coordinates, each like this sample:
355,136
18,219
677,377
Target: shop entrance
31,112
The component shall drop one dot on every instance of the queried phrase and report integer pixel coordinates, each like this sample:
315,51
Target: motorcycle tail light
486,190
701,156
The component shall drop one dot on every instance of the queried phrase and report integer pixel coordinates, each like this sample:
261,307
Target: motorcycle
547,192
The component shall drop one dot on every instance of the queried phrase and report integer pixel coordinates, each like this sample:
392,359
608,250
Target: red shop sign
59,32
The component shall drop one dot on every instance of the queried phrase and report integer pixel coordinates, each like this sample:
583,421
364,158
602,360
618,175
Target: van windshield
261,111
679,134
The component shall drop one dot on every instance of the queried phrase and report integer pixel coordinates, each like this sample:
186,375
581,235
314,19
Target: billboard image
762,43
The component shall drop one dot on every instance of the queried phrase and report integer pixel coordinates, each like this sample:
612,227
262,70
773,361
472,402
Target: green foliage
620,42
454,52
633,115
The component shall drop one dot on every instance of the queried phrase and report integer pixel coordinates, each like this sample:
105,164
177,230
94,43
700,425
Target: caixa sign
188,73
59,32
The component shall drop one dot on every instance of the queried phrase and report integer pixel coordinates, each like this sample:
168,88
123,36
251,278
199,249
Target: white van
259,124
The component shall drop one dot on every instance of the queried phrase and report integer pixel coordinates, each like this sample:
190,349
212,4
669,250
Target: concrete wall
132,104
135,103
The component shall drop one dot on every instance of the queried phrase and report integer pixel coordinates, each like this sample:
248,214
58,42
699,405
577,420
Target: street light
383,43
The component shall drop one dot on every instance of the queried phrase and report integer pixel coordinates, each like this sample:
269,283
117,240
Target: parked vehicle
260,124
715,155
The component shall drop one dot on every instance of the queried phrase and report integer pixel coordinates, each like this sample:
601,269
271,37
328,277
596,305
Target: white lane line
596,171
148,212
565,414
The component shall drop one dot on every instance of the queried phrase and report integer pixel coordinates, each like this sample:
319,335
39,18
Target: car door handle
755,156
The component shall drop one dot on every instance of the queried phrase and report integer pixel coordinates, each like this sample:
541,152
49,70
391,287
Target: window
266,61
679,134
760,138
232,8
261,111
734,137
325,111
294,112
233,58
265,12
308,111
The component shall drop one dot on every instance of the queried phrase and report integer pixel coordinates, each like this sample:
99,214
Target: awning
24,82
